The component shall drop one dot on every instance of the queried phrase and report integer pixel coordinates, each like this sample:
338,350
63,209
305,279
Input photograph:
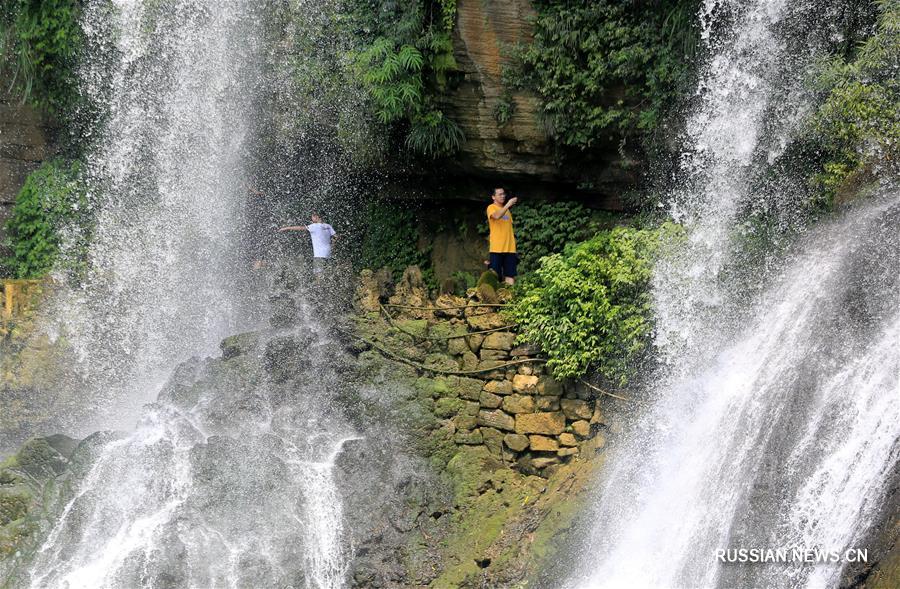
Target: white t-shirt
321,239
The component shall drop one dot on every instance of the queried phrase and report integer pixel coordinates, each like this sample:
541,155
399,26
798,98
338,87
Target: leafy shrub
405,64
391,239
603,68
52,204
39,44
589,307
858,122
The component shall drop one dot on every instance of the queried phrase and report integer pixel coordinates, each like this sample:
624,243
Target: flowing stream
775,422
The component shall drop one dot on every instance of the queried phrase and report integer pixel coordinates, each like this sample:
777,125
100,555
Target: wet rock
576,409
581,428
237,345
457,346
551,424
547,403
367,297
471,408
469,388
440,361
286,356
563,452
541,462
497,419
486,294
487,365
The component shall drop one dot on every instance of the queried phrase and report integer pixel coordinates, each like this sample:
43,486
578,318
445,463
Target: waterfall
227,479
775,420
174,83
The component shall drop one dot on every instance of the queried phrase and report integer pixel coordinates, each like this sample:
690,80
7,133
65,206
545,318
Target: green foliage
606,68
391,239
51,206
544,228
405,66
589,307
858,122
504,108
39,44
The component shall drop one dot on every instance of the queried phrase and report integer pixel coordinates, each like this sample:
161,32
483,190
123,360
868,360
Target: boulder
563,452
518,404
497,419
550,424
483,321
540,462
542,444
471,408
499,340
516,442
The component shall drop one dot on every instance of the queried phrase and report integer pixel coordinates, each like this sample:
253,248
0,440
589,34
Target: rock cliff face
25,140
487,35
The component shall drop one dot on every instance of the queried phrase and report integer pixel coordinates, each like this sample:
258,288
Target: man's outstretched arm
293,228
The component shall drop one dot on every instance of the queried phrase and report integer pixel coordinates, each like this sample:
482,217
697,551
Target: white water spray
774,426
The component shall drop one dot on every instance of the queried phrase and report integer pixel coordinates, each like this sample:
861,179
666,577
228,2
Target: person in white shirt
322,235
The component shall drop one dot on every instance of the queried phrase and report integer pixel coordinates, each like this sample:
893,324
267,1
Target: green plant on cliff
391,239
858,122
589,307
404,64
606,68
51,208
39,44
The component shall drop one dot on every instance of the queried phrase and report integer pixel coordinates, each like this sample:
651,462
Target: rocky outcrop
487,33
517,146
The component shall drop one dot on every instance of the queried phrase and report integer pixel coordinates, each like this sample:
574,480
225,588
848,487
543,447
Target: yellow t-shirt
502,239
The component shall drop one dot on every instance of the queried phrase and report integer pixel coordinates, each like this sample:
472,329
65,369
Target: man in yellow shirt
503,258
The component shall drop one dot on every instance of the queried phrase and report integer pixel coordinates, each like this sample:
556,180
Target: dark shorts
504,264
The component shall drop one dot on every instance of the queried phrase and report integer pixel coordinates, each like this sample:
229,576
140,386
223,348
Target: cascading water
775,423
228,478
174,83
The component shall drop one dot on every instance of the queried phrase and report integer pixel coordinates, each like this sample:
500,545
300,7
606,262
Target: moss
490,278
13,506
448,407
416,327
